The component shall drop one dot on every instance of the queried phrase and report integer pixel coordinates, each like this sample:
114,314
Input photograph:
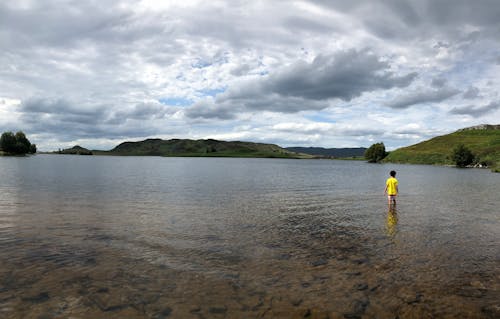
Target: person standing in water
391,188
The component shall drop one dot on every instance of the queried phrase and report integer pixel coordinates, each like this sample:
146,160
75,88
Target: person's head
393,173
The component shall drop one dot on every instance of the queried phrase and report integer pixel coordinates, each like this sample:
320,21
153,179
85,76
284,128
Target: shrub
462,156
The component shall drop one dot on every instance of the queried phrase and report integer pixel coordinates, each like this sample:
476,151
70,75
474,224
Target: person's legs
391,200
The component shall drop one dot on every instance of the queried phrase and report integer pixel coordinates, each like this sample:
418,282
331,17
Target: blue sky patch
211,92
200,64
323,118
175,101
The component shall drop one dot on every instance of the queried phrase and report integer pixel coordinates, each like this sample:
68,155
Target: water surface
152,237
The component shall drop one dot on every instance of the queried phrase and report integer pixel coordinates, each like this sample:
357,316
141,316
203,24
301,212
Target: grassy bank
485,144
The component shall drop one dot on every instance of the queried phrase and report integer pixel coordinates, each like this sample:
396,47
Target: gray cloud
107,62
61,117
404,19
211,111
344,75
70,23
290,104
476,111
452,12
69,120
305,25
241,69
227,107
61,106
360,131
471,93
441,44
142,111
305,86
438,82
423,96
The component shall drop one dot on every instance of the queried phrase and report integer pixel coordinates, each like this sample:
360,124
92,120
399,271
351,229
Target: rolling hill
75,150
482,140
205,148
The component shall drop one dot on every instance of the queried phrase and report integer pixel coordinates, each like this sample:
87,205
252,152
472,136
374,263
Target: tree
375,153
462,156
8,142
16,144
23,145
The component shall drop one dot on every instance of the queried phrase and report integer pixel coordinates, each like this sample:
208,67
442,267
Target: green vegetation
75,150
337,153
201,148
483,142
376,153
16,144
462,156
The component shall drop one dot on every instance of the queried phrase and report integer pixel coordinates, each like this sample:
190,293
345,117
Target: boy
391,188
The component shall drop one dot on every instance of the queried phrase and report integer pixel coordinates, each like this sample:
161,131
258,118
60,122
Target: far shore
300,156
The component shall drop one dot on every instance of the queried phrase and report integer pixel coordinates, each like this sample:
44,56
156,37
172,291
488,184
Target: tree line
16,144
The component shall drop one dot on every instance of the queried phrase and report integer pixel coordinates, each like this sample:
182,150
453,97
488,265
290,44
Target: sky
294,73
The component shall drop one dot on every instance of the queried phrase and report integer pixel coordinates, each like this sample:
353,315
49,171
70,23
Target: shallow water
151,237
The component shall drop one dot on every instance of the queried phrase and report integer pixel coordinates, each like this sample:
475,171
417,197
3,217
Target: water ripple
120,237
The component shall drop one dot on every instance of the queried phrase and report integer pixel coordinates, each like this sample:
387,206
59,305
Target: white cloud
303,127
315,72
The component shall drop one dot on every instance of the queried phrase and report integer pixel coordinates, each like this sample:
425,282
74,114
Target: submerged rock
319,262
362,286
163,314
358,309
41,297
218,309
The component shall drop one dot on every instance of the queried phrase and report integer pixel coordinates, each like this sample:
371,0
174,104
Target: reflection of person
391,188
392,221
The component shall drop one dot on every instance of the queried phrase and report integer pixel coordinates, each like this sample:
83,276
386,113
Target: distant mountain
330,152
482,140
201,148
75,150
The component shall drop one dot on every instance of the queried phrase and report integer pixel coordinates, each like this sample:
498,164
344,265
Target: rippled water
150,237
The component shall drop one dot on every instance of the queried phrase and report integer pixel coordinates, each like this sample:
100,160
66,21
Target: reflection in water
114,237
392,221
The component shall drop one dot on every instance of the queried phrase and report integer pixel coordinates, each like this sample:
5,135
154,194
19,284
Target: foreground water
147,237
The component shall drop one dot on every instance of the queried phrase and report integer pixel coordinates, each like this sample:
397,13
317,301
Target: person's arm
385,190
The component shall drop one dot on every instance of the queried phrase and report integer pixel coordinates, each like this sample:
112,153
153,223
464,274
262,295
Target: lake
152,237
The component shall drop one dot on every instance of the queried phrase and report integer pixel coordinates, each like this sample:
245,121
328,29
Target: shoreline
493,169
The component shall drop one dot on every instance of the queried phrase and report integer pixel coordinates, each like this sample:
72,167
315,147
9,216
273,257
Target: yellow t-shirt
392,184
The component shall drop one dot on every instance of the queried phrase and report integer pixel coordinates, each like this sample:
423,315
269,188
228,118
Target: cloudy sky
296,73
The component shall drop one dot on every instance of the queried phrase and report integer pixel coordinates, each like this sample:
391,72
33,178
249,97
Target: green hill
75,150
482,140
205,148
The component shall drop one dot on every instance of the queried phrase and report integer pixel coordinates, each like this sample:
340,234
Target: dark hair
393,173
